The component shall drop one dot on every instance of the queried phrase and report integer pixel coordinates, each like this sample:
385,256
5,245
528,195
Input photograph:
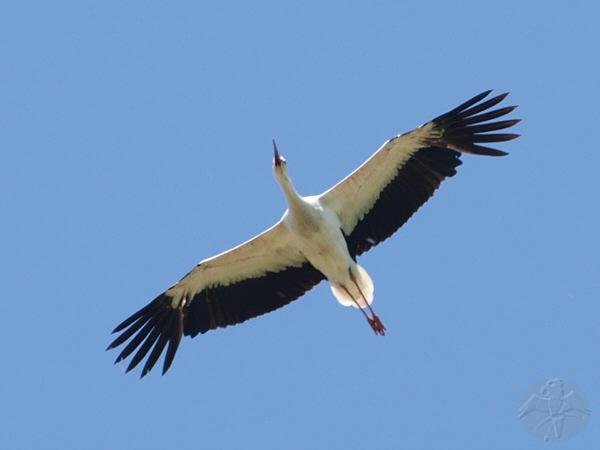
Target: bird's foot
376,324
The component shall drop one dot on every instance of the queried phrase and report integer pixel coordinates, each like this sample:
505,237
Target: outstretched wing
385,191
254,278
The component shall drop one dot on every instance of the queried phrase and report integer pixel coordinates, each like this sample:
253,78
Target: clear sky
135,141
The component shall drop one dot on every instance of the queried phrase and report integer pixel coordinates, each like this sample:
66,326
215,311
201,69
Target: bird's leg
355,302
373,320
376,324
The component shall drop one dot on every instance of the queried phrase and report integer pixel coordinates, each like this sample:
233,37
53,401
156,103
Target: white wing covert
385,191
259,276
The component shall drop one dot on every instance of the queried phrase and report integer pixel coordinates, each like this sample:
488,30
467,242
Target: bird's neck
302,216
295,201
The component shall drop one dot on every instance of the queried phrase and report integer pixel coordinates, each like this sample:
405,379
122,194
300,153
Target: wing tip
469,124
148,331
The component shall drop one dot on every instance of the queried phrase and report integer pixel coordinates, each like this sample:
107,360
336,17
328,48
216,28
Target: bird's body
318,237
317,234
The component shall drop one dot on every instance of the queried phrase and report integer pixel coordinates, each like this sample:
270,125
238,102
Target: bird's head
279,166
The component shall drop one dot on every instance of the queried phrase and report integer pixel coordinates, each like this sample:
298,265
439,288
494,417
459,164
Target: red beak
277,157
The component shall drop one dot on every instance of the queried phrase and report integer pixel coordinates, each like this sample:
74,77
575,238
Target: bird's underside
273,269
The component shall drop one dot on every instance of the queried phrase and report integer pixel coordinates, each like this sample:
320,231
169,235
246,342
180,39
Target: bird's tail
357,291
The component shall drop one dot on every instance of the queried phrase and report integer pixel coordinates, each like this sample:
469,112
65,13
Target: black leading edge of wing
462,130
158,324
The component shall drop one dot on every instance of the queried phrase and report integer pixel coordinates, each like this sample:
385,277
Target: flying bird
318,237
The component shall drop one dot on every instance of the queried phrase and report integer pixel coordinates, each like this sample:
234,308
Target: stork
318,237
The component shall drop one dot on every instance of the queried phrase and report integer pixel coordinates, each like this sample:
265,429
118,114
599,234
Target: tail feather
348,294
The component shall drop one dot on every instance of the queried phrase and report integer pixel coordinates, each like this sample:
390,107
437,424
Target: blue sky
136,141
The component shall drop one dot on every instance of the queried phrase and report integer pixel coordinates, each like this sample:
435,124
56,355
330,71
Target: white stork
318,237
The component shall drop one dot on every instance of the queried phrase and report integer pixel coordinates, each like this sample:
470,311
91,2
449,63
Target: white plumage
318,237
